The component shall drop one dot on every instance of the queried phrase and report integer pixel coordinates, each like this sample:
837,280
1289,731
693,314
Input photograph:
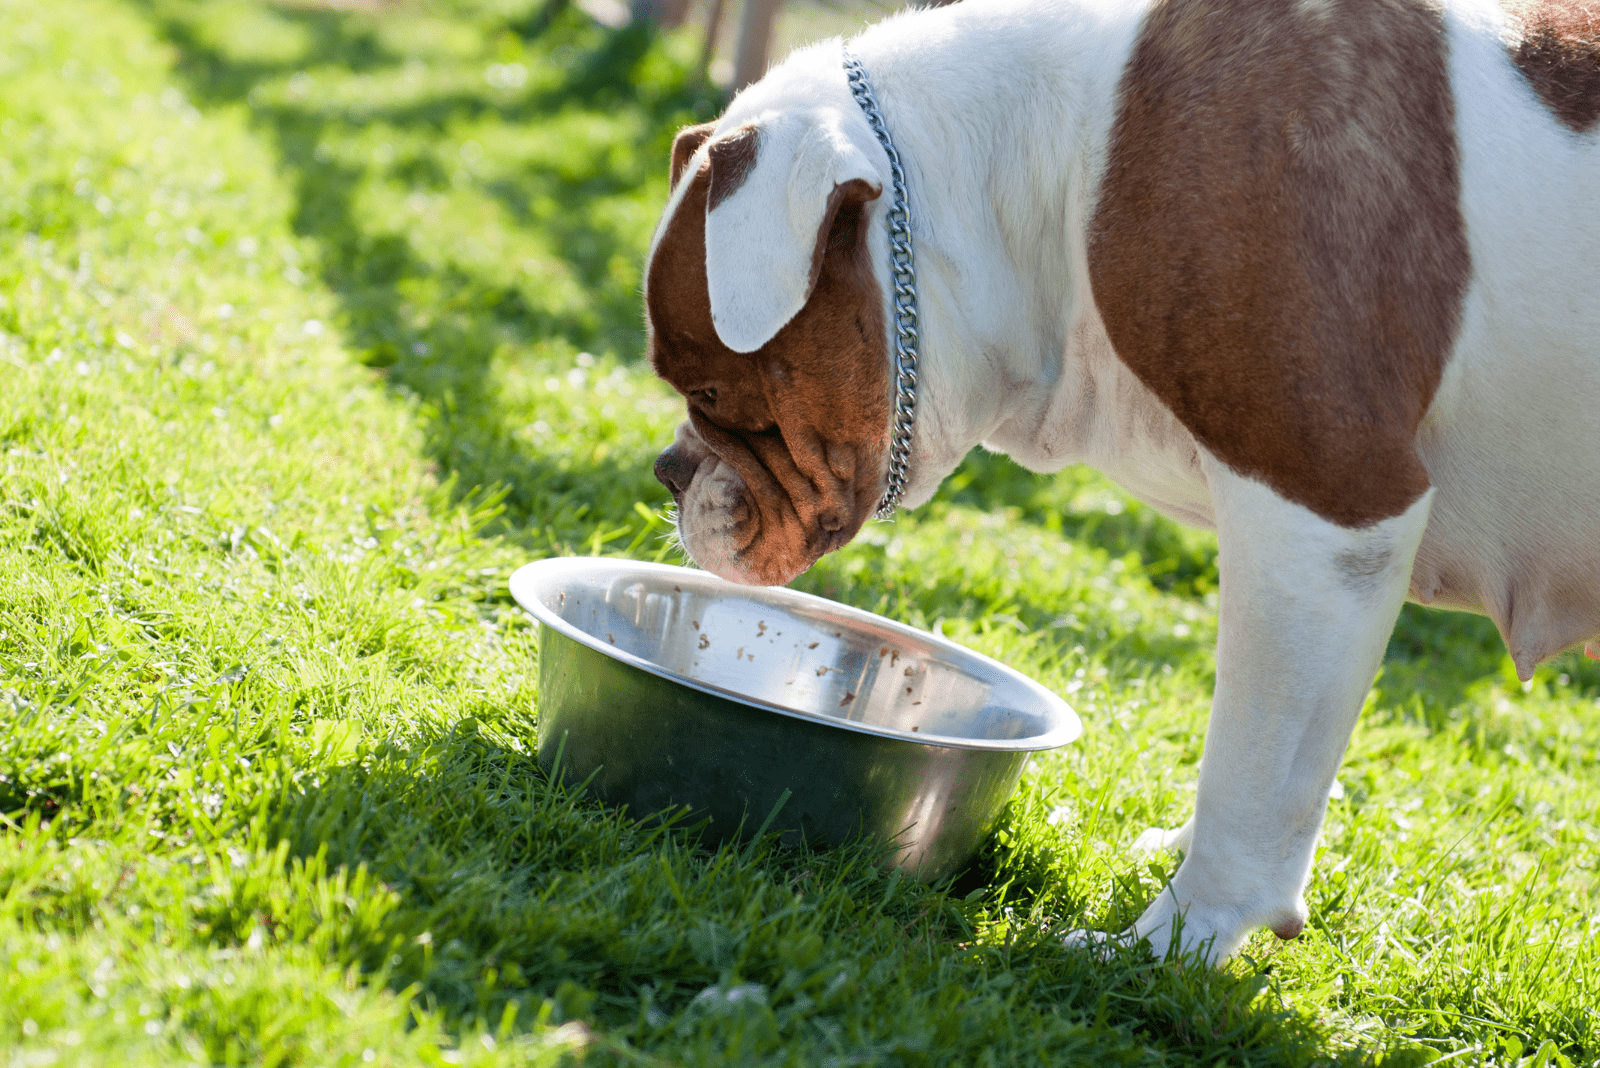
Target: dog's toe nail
1096,943
1151,841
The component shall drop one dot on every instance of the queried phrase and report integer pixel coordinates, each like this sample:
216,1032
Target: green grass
316,324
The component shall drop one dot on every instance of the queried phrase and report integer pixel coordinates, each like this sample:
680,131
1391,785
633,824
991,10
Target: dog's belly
1511,438
1514,531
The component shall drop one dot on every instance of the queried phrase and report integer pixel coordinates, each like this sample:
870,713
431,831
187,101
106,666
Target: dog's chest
1098,413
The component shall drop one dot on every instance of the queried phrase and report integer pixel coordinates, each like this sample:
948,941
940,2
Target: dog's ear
775,191
685,145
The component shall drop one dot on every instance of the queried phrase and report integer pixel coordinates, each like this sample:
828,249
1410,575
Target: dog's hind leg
1307,607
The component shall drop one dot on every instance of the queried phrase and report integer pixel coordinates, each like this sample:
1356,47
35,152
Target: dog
1315,274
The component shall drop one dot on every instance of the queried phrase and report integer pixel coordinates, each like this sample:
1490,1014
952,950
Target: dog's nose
674,471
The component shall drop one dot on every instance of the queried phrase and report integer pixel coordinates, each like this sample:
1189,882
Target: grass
316,323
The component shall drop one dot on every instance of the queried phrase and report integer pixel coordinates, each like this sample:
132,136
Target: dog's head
764,312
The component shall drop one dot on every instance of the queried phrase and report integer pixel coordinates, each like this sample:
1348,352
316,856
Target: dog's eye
708,395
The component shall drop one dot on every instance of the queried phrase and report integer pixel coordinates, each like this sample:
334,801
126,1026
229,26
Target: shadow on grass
433,327
546,901
1132,653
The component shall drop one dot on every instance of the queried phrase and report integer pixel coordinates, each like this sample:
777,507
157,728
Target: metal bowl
765,708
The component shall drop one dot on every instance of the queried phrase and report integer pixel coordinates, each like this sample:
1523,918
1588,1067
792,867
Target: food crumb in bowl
813,645
696,623
916,728
705,641
610,639
848,697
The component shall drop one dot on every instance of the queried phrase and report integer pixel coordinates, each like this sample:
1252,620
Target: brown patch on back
805,418
731,161
1278,251
1558,51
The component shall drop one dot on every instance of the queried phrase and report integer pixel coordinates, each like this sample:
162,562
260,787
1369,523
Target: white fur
1001,111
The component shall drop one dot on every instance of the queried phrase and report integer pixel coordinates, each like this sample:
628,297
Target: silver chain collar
905,294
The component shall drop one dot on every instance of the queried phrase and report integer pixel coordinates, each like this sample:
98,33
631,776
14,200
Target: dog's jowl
1317,274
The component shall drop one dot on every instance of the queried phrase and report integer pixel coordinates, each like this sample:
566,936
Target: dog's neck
1004,283
1000,110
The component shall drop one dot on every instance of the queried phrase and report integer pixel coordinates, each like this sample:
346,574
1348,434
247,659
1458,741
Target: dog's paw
1165,933
1192,930
1157,839
1098,944
1213,932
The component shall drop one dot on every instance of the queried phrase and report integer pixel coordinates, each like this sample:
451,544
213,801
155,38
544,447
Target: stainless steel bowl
665,686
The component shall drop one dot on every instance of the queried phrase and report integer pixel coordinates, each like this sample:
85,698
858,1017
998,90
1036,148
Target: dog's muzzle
675,471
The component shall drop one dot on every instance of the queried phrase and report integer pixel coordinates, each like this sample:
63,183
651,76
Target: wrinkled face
784,453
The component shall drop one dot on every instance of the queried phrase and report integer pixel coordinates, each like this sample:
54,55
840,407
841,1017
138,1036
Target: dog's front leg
1307,607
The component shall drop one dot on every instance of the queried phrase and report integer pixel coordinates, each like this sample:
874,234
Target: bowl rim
526,581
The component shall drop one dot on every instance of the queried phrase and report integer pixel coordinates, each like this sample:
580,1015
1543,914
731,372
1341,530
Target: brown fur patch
732,157
1278,250
685,145
1558,51
805,418
848,195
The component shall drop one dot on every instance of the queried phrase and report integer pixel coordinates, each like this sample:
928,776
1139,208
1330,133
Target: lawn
315,322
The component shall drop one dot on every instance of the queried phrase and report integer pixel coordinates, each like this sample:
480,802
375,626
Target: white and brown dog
1319,274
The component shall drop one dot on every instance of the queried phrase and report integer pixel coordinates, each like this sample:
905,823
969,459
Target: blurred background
739,38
